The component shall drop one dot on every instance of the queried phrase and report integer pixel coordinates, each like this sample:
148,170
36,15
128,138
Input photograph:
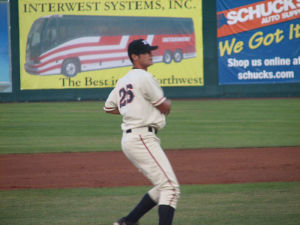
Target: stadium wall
210,89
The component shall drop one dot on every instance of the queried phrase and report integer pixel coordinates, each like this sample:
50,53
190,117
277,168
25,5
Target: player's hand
165,107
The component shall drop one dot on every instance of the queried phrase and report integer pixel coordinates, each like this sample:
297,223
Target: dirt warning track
111,169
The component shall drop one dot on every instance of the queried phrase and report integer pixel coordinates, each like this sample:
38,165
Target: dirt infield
109,169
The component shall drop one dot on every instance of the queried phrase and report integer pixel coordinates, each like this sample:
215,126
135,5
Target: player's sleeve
111,102
152,90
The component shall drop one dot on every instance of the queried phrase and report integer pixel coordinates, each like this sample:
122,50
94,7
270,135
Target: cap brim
153,48
148,49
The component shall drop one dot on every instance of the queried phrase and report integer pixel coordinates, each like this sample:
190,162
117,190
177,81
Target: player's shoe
123,221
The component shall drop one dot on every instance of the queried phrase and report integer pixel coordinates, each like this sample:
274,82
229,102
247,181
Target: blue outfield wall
210,89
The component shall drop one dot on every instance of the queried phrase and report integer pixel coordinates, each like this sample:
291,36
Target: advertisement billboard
258,41
77,44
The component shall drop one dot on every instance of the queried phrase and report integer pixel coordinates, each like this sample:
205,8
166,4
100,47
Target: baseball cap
140,46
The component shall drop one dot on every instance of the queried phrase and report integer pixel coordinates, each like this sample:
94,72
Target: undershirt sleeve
111,102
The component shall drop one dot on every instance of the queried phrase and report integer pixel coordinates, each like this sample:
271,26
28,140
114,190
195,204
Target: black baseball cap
140,46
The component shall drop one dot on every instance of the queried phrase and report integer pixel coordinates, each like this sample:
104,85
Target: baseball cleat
123,221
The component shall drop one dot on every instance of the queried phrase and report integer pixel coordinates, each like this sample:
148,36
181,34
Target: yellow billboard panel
83,44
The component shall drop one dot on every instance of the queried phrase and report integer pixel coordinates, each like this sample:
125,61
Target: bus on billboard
69,44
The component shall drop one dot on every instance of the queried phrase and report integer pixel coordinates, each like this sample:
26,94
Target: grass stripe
235,204
84,127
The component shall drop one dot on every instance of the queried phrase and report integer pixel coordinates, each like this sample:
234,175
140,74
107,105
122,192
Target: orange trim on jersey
109,108
161,100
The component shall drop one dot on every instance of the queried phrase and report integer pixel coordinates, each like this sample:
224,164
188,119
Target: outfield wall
209,89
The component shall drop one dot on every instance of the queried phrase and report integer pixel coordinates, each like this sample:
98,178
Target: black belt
150,129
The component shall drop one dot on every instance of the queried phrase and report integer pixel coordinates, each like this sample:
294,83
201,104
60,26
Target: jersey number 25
126,95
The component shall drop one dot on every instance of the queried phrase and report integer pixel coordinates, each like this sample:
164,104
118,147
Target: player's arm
112,111
164,107
111,105
154,93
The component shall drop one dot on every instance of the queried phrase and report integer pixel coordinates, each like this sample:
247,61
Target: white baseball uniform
136,95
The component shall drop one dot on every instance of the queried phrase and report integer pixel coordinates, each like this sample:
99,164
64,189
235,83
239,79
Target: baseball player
141,102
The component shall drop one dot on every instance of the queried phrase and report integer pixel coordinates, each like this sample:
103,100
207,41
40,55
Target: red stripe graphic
81,54
256,15
65,48
103,41
90,61
48,69
105,49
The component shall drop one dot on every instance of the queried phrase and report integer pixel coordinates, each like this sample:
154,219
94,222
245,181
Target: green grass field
232,204
83,127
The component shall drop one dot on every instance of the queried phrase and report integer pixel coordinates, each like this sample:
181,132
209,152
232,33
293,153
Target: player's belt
150,129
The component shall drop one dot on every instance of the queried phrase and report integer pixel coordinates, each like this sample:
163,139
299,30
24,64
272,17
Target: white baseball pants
143,149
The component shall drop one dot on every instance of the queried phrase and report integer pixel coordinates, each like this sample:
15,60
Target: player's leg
160,172
131,148
166,214
147,155
166,188
145,205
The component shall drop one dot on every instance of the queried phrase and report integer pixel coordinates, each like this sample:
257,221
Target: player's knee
154,194
172,187
169,195
177,192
